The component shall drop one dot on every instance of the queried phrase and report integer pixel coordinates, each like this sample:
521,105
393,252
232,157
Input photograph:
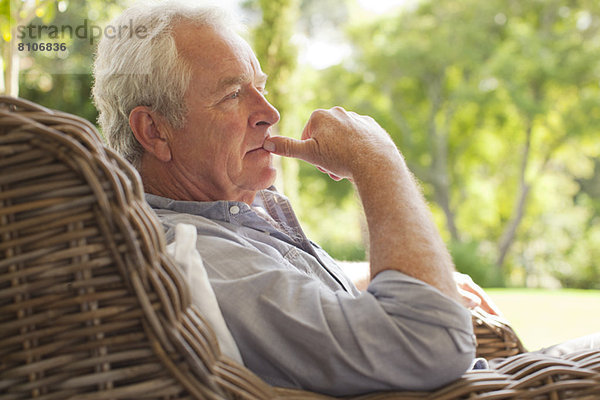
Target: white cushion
183,249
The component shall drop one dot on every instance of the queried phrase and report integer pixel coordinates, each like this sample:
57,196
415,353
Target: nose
264,114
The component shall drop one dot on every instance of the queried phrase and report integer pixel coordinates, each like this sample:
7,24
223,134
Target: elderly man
186,105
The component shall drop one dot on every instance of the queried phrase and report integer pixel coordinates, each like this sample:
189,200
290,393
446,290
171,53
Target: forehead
214,54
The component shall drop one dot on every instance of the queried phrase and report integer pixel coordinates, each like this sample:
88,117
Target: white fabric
183,249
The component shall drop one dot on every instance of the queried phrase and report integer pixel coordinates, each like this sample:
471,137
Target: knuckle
288,149
318,113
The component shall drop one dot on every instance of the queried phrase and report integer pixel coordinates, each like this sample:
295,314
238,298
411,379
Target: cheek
214,137
232,138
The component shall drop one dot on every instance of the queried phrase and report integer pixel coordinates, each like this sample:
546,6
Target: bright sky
381,6
322,52
328,50
376,6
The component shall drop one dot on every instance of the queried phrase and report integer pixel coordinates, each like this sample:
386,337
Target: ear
150,132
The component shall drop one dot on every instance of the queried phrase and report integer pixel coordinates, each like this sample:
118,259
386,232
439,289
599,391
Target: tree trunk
11,68
508,237
439,176
22,15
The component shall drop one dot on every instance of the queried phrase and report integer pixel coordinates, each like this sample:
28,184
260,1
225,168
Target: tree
481,97
13,14
57,79
557,68
272,45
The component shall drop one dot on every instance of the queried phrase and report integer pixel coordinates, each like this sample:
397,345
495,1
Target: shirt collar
221,210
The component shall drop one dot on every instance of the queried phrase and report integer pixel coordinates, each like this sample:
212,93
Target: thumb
289,147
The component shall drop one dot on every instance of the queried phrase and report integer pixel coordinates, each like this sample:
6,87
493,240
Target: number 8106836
42,46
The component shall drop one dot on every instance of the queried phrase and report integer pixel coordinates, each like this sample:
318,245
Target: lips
257,152
258,147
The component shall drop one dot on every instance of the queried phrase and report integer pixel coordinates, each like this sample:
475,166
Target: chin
265,178
259,177
270,177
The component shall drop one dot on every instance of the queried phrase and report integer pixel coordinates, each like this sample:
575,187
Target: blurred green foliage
271,43
475,262
494,104
63,83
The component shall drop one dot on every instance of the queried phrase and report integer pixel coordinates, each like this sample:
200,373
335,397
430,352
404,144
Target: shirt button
234,210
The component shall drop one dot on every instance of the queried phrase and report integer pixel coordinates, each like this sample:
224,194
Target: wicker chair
92,307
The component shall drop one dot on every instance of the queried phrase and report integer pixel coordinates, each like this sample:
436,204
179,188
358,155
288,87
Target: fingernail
269,146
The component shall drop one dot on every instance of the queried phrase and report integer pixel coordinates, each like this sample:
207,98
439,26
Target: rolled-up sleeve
293,331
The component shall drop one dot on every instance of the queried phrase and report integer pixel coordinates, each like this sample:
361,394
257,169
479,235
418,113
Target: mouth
259,147
255,150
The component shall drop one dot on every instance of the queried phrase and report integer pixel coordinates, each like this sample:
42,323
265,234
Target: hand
338,142
473,296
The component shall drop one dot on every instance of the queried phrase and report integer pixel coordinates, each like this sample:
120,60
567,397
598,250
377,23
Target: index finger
312,122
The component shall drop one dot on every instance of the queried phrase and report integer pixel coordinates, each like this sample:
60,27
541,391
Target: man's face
218,153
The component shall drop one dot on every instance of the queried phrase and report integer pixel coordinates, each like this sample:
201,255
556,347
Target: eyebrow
236,80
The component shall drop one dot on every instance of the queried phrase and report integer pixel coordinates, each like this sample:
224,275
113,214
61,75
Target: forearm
402,234
400,335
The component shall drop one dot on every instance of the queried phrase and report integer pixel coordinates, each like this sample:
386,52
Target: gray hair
143,67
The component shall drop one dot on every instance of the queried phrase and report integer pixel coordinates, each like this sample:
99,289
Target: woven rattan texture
495,337
92,308
89,305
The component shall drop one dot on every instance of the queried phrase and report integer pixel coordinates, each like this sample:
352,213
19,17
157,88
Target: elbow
453,367
447,360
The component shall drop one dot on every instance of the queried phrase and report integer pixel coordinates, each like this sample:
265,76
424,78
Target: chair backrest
89,300
92,307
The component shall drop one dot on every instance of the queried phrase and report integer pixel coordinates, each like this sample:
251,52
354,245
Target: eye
234,95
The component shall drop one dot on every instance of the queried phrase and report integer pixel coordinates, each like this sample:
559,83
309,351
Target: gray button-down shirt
298,320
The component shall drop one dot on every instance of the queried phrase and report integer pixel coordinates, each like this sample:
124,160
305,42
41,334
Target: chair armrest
495,337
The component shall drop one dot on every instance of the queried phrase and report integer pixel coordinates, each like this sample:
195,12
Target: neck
163,180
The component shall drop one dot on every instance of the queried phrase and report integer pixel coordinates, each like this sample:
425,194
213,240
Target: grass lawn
545,317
